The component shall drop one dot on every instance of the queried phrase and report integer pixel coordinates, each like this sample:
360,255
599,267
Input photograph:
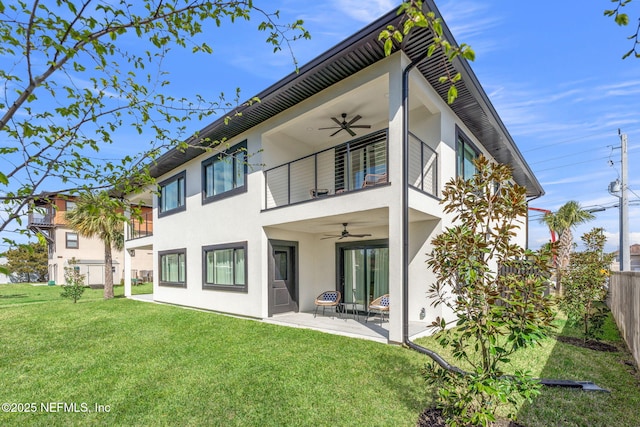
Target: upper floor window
225,267
466,153
173,268
225,174
69,205
172,195
71,240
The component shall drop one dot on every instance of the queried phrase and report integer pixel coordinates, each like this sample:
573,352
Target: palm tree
98,215
569,216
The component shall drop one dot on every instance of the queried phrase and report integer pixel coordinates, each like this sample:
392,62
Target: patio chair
328,299
372,179
381,305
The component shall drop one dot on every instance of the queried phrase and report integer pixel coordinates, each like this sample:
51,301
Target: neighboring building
67,248
634,258
4,279
252,239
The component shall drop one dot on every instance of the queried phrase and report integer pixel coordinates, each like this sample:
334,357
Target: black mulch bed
590,344
432,417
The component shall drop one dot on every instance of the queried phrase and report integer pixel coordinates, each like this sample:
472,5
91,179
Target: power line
570,164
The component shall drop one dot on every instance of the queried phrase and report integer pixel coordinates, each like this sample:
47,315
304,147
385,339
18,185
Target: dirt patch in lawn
590,344
432,417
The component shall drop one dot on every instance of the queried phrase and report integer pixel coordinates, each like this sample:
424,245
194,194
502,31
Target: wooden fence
624,301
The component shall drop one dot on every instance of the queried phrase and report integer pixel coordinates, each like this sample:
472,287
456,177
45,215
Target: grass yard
162,365
150,364
570,407
24,293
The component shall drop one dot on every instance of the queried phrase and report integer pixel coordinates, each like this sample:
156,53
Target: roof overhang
348,58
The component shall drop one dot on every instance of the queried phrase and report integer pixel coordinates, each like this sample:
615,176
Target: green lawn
162,365
151,364
25,293
570,407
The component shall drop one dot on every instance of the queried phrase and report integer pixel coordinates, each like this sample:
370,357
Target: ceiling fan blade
329,237
332,127
359,235
361,126
355,119
337,121
336,132
352,133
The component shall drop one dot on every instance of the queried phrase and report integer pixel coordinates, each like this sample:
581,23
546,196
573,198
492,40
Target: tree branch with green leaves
79,73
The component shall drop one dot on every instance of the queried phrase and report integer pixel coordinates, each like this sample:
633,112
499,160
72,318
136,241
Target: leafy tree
77,71
28,262
569,216
496,290
586,284
74,284
622,18
98,215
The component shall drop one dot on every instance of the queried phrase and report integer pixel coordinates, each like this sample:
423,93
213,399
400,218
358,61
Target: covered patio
346,325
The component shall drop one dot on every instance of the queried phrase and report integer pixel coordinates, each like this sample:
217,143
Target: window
173,268
69,205
172,191
71,240
225,267
225,174
466,153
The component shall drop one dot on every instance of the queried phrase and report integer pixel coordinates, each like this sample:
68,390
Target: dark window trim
166,182
460,135
233,192
172,284
66,240
231,288
66,205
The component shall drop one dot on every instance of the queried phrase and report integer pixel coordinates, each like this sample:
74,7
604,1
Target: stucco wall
624,301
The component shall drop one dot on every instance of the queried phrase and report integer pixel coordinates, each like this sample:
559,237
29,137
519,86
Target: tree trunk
565,245
108,272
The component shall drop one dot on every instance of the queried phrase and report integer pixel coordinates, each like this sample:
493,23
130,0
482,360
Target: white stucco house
68,249
354,138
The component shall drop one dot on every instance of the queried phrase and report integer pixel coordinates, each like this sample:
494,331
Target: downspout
584,385
405,223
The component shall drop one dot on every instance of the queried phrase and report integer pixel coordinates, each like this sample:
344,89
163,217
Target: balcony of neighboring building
140,225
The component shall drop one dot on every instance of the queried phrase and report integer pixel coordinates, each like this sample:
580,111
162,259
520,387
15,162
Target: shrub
495,288
74,284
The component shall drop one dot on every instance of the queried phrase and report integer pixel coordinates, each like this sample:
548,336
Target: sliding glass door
364,273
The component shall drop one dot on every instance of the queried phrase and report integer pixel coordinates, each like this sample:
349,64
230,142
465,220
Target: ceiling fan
345,234
346,125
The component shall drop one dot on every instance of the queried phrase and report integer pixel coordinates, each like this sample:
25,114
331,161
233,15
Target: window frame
211,161
181,188
181,251
462,142
218,287
66,240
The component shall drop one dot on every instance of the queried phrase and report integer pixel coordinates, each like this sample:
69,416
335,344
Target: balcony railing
423,166
140,226
344,168
40,220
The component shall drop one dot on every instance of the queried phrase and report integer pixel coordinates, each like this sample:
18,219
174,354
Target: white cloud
365,12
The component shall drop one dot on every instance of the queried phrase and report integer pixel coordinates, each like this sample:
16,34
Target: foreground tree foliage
496,289
28,262
77,72
622,18
97,214
585,284
74,284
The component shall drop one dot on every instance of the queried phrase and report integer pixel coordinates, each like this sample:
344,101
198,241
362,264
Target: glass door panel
365,275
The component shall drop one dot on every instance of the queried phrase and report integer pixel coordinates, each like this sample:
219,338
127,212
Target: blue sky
553,71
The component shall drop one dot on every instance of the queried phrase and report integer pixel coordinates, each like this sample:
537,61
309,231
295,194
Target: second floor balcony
140,225
353,166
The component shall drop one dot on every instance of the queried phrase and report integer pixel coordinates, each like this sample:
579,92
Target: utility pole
625,261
